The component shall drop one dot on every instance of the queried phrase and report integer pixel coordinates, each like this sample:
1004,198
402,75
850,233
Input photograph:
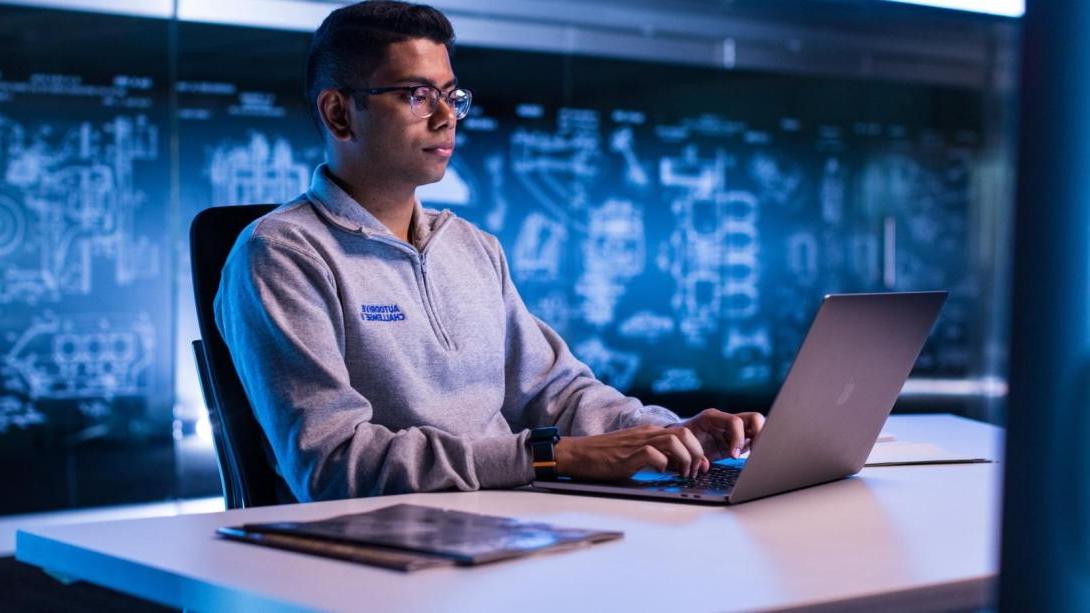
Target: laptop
827,414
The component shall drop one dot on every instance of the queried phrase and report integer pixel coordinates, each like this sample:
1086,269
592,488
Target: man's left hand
723,435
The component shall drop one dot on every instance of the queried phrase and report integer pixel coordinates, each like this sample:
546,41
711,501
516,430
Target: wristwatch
542,444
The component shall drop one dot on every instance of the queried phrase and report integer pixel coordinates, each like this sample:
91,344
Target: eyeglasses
424,99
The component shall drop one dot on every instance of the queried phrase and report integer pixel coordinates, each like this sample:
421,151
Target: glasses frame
413,104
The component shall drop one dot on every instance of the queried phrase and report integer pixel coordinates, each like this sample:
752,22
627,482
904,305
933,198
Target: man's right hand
620,454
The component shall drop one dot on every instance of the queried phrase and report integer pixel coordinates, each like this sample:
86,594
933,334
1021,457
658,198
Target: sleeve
547,385
278,310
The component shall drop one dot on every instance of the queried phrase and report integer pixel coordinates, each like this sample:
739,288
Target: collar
344,211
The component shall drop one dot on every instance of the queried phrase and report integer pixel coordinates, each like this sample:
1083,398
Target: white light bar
988,387
275,14
1005,8
136,8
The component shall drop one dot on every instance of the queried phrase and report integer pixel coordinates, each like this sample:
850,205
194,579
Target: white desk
915,537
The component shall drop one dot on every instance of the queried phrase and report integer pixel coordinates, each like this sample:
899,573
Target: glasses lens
460,100
423,100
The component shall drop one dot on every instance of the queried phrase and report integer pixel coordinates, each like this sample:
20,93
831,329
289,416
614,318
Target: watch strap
543,447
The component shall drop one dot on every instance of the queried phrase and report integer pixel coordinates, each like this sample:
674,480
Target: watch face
544,434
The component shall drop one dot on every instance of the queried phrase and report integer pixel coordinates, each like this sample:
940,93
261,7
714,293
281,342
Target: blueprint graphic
556,168
537,249
68,201
614,367
74,240
687,250
613,253
677,380
15,413
256,172
81,357
86,264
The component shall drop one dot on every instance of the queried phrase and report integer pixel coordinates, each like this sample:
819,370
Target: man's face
393,143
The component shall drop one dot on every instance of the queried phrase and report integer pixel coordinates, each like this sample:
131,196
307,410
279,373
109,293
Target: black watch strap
543,446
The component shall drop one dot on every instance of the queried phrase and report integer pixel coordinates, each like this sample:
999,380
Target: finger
754,423
726,430
721,444
647,456
709,424
695,449
734,434
672,446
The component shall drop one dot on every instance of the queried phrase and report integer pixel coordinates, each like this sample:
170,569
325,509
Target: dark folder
410,537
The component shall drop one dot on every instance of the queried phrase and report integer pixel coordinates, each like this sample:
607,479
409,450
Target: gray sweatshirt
376,366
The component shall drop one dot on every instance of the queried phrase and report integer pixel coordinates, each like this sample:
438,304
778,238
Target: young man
383,346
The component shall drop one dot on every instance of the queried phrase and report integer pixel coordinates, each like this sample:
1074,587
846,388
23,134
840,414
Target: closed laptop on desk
828,413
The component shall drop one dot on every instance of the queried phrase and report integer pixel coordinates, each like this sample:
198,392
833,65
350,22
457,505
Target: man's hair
353,40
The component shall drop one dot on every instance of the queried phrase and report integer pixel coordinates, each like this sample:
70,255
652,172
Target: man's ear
333,109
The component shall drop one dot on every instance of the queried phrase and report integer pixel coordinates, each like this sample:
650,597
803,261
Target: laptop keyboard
718,477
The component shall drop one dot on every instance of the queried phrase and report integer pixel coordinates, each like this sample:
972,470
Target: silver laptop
828,413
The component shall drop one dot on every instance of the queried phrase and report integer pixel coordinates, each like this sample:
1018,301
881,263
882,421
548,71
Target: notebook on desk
903,453
827,415
410,537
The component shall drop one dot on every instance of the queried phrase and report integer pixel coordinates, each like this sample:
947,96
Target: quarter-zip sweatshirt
376,366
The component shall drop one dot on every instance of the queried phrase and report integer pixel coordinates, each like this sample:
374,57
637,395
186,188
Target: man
383,346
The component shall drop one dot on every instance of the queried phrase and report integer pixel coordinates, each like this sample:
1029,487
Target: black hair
353,40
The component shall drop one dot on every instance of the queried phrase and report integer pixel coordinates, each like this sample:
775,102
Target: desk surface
896,537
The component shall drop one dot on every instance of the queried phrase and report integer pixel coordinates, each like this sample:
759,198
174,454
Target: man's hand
620,454
723,435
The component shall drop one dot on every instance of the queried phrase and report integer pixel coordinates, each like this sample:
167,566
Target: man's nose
444,114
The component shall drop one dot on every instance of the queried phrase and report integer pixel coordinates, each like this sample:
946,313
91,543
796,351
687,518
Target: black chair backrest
247,477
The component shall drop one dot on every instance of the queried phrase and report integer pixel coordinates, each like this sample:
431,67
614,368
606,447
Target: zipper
419,255
422,282
422,255
437,324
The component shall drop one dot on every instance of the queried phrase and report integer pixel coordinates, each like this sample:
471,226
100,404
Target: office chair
247,477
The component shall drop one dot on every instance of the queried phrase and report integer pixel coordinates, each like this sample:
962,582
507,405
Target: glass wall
86,331
678,224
